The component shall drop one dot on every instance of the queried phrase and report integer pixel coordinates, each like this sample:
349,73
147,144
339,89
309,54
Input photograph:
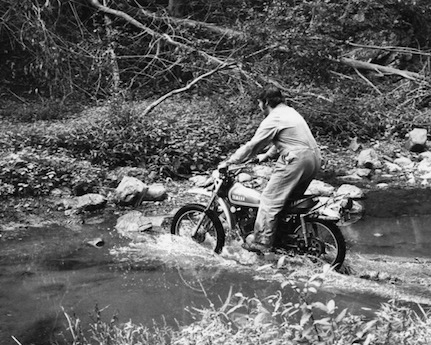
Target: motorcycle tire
211,233
325,241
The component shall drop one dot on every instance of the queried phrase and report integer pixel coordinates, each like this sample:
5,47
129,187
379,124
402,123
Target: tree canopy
92,48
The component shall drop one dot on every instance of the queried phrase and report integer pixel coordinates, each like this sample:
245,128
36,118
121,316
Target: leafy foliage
245,320
111,333
34,173
173,140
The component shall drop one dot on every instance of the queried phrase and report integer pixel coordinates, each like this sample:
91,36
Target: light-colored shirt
284,128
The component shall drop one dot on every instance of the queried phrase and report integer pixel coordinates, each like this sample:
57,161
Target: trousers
291,177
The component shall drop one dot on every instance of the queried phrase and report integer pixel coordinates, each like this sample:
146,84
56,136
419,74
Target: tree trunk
115,84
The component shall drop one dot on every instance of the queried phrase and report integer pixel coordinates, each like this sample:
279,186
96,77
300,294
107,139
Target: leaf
312,289
304,319
321,306
281,261
324,322
341,316
331,306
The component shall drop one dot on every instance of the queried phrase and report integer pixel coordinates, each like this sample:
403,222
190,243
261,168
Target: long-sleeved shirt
285,128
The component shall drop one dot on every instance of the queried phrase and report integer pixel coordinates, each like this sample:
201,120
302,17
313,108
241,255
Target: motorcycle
306,226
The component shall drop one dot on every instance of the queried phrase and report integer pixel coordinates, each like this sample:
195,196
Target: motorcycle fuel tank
243,196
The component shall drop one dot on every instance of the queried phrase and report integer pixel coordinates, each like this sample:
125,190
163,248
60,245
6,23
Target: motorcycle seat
300,205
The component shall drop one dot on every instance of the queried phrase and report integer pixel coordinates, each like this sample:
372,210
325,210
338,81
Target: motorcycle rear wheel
210,234
325,241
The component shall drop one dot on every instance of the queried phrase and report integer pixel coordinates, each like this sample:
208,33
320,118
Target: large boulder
424,166
155,192
129,190
369,159
392,167
133,222
404,162
350,191
87,202
425,156
416,140
320,188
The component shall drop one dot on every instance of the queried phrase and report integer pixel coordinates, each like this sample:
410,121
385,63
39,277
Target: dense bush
179,137
32,172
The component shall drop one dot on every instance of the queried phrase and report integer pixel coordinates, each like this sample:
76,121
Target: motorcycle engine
246,218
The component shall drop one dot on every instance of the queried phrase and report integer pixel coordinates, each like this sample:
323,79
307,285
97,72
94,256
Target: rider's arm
271,153
263,136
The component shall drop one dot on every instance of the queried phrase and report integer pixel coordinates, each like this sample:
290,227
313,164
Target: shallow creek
44,271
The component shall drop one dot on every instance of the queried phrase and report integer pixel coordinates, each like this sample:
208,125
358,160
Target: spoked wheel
325,241
210,234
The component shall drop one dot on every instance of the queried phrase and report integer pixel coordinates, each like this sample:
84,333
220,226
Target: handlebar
236,166
227,168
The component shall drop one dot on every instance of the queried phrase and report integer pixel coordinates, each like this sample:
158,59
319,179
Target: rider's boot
257,247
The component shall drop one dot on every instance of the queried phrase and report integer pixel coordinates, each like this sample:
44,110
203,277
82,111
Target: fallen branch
356,64
185,88
194,24
403,50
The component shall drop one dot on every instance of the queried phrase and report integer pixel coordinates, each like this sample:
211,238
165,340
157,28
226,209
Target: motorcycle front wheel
325,241
210,233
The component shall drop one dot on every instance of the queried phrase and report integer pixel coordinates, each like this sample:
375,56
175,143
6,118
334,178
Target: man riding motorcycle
299,160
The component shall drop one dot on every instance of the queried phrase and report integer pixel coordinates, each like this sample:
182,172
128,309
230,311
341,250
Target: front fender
228,219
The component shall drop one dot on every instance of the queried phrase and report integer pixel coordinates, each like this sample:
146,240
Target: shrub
36,173
181,136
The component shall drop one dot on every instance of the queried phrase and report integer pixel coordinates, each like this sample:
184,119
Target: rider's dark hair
271,95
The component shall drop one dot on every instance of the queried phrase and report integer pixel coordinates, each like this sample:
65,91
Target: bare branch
368,81
166,38
381,69
403,50
185,88
196,25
